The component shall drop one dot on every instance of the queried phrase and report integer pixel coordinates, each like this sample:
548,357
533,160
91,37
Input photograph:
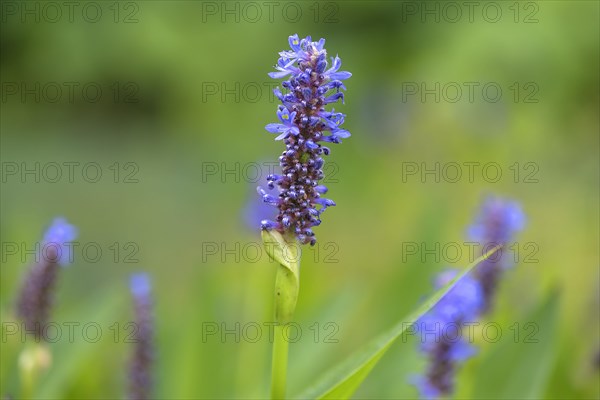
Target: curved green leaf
287,282
343,381
286,251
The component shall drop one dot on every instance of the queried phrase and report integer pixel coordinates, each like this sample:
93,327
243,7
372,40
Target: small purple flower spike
55,238
140,374
303,127
471,297
439,333
497,223
36,296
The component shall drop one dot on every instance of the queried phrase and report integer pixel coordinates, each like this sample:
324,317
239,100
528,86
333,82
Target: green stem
34,359
286,251
280,359
27,384
286,294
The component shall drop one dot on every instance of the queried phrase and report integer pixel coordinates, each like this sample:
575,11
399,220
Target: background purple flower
496,223
440,333
257,210
35,299
140,369
55,238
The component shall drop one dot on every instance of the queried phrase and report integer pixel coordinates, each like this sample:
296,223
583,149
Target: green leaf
287,252
519,365
343,381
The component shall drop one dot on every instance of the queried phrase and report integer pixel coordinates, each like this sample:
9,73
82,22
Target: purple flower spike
36,296
140,369
497,223
440,334
55,240
303,122
498,220
441,328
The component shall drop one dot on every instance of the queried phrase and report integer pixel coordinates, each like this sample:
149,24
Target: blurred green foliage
167,61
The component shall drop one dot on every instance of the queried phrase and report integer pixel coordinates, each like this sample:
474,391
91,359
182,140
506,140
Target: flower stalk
33,361
280,361
140,368
304,126
35,300
286,252
497,223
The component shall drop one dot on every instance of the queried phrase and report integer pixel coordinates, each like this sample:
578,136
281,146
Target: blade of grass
343,381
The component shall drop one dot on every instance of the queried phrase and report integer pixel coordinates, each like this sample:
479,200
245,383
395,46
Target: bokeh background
179,109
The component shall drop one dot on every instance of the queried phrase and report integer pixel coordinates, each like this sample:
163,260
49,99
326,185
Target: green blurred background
157,64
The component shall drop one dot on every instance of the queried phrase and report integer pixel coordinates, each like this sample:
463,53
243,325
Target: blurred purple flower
441,334
56,236
140,369
498,220
441,328
36,296
496,224
256,209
